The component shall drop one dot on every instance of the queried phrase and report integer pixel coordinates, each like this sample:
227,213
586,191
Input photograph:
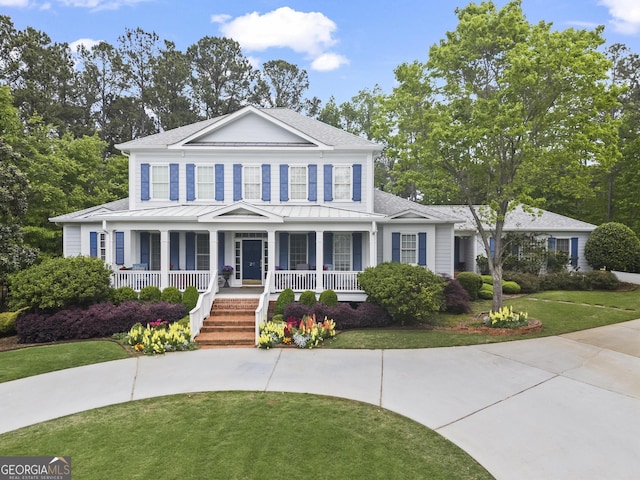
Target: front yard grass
559,311
238,435
25,362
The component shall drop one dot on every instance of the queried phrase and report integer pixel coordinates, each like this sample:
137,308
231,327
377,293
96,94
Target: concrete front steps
231,323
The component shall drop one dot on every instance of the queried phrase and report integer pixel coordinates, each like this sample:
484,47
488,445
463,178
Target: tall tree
287,84
514,105
223,80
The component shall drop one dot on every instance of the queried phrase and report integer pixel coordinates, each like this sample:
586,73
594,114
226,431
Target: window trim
152,183
349,190
404,249
258,168
305,183
199,195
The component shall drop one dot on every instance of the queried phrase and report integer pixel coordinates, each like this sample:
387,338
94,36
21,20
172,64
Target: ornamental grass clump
506,318
307,333
159,337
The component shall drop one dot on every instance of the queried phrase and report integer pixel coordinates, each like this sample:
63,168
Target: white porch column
213,254
108,246
373,245
164,259
319,260
271,252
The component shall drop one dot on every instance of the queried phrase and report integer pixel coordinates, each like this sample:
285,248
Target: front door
251,261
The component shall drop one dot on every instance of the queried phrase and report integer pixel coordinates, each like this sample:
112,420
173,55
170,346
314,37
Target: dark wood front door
251,260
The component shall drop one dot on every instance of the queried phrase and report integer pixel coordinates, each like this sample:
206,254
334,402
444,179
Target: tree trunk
497,287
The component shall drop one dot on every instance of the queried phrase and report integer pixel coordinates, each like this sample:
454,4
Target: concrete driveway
564,407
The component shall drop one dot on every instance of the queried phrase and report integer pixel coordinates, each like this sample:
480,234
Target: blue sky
344,45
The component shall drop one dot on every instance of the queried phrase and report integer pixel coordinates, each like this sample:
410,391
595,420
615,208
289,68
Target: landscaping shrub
190,297
457,299
8,322
123,294
562,281
296,310
278,318
98,320
329,298
366,315
613,246
601,280
486,292
510,288
59,283
529,283
471,282
409,293
285,298
307,298
171,295
488,279
150,293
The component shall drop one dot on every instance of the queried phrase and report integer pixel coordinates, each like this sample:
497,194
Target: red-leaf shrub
99,320
367,315
457,299
296,310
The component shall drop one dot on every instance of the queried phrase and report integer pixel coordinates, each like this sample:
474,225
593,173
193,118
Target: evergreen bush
190,297
329,298
613,246
171,295
307,298
471,282
150,293
286,297
123,294
510,288
486,292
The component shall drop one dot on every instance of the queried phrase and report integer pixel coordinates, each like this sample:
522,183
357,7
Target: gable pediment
410,215
241,212
249,128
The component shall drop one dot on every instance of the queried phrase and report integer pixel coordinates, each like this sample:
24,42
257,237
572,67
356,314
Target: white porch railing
301,280
138,279
203,307
263,306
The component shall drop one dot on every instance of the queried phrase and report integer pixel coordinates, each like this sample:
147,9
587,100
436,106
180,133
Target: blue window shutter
357,251
357,182
311,260
220,251
492,247
395,246
174,250
266,183
191,182
237,182
174,181
119,248
328,248
313,182
574,251
422,248
219,176
284,183
144,248
93,244
190,248
328,183
284,251
551,244
144,182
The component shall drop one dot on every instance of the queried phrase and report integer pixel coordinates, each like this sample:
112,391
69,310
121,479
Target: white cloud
309,33
328,61
14,3
625,13
220,18
100,4
88,43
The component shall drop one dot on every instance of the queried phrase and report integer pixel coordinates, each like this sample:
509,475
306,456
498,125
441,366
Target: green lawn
47,358
560,312
245,435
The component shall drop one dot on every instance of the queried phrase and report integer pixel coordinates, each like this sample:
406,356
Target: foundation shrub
95,321
601,280
285,298
150,293
296,310
529,282
8,323
345,316
510,287
171,295
307,298
562,281
329,298
123,294
190,297
471,282
486,292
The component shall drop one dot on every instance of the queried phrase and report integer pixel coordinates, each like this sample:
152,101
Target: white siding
72,243
252,128
444,249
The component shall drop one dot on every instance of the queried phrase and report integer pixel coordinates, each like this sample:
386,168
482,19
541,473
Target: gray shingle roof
390,205
323,133
115,206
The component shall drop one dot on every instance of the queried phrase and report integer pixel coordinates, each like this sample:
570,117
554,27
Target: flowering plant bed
506,318
307,333
159,337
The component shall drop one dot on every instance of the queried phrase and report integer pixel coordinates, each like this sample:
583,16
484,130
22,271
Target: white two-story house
282,199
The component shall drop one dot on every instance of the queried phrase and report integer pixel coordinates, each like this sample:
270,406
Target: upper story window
342,182
252,182
205,182
298,183
408,248
159,180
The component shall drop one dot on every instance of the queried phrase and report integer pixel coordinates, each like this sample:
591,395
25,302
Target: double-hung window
341,182
102,246
202,251
408,248
159,182
563,245
298,183
297,249
252,182
342,251
205,182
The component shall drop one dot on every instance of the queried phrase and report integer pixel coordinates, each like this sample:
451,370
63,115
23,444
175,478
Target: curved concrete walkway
564,407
